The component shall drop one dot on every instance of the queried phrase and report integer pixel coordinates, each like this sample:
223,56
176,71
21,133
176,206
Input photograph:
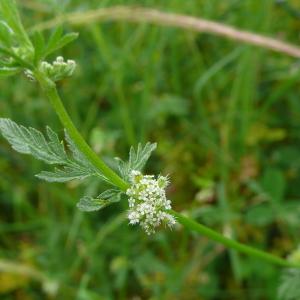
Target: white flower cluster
59,69
148,204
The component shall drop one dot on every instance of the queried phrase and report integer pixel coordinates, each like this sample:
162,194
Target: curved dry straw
152,16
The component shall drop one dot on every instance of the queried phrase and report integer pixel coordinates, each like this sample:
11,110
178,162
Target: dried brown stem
145,15
34,5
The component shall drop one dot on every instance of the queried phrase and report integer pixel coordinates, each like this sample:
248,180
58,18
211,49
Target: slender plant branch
50,91
146,15
213,235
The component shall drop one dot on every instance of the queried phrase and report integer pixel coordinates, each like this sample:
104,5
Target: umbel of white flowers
56,71
148,204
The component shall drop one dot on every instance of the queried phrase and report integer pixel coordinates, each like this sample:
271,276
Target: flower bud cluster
148,204
59,69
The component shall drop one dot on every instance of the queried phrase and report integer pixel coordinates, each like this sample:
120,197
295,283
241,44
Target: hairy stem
50,91
213,235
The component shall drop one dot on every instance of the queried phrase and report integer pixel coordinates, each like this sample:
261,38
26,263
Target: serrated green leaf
89,204
11,16
113,195
289,288
55,144
81,160
51,150
65,174
104,199
28,141
137,159
78,156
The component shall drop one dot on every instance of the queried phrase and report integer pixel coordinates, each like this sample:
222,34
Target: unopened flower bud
59,69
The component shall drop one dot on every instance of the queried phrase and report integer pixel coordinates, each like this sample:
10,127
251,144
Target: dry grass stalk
152,16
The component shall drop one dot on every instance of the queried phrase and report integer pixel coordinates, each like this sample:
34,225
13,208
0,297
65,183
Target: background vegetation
226,118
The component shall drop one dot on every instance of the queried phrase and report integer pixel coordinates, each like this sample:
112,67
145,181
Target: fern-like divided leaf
137,159
104,199
289,288
50,150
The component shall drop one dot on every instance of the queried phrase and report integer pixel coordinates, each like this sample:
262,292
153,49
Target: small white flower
133,217
147,201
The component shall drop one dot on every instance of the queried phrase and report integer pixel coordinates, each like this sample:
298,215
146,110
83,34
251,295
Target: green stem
213,235
50,91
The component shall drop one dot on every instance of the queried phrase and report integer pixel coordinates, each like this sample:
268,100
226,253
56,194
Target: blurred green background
226,118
